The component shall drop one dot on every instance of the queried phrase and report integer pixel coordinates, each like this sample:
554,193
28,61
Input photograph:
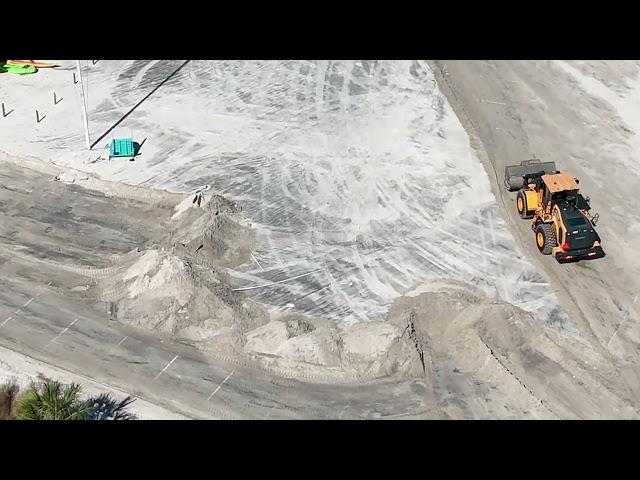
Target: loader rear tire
545,238
521,205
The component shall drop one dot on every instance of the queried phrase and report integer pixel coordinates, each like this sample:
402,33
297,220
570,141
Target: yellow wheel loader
560,215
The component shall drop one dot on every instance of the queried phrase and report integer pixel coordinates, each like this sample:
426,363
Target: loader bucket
514,174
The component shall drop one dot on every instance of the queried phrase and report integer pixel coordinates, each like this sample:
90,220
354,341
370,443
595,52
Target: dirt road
513,110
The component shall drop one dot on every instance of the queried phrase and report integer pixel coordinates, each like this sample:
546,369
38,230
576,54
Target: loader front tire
521,205
545,238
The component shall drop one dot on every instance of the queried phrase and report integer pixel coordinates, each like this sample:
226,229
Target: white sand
359,171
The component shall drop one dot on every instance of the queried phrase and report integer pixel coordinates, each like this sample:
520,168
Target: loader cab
559,187
565,198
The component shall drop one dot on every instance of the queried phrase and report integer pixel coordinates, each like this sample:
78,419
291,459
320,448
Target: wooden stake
4,112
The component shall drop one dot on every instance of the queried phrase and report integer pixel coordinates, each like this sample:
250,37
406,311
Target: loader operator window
576,222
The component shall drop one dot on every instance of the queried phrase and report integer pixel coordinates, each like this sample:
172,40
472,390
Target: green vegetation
48,399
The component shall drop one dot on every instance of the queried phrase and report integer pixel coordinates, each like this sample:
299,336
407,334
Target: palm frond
51,400
105,407
29,404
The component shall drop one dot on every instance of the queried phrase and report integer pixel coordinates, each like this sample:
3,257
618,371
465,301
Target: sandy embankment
481,357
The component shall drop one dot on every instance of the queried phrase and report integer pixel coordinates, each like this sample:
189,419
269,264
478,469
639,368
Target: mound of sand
491,359
319,348
180,287
212,232
171,294
392,346
476,357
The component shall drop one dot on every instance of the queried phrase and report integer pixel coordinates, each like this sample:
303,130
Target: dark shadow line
137,147
140,102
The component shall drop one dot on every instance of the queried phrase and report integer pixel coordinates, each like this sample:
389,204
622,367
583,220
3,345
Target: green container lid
18,69
121,147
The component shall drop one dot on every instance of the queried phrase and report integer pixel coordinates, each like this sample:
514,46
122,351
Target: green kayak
18,69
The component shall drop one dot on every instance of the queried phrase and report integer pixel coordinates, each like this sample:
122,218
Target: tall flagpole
84,107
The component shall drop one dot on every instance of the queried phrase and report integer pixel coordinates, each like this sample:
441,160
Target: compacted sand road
513,110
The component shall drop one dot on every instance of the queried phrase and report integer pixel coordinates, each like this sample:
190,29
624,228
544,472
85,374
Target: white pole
84,107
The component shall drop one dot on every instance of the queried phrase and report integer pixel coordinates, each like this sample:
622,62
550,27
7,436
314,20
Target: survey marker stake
4,112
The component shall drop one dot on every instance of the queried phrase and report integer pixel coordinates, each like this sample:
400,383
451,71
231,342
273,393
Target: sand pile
492,359
397,345
211,230
180,286
315,347
171,294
